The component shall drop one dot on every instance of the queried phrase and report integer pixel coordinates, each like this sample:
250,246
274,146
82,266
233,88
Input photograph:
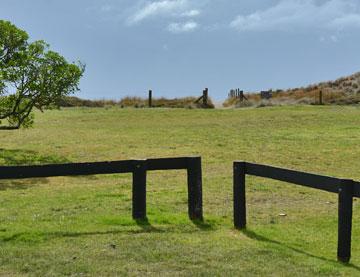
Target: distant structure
266,94
237,93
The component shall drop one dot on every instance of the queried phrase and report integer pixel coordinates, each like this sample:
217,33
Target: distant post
205,96
320,97
150,98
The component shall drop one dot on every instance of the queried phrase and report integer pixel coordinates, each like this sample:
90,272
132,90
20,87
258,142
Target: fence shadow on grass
146,226
21,184
253,235
203,225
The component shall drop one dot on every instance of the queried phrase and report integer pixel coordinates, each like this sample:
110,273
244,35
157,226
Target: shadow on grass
253,235
21,184
146,226
35,238
203,225
8,128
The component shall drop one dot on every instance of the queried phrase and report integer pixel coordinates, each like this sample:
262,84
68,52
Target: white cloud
300,14
163,8
191,13
182,27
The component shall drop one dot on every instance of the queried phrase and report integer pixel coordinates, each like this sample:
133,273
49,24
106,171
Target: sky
179,47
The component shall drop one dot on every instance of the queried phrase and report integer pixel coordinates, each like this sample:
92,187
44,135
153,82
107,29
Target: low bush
135,102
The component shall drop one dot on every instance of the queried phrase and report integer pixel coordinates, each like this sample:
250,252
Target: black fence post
195,188
239,195
345,220
205,96
139,190
150,98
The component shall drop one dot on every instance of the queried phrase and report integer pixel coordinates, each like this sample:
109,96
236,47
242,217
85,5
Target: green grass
82,226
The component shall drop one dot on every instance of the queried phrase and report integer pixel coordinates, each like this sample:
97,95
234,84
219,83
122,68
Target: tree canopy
31,76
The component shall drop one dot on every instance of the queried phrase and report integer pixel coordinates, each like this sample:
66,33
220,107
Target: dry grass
135,102
343,91
73,101
185,102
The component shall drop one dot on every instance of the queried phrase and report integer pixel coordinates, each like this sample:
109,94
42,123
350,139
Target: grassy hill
82,226
343,91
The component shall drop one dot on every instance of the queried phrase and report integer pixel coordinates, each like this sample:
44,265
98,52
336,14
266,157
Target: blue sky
179,47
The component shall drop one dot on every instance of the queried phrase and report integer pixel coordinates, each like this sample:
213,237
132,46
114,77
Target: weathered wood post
150,98
195,209
139,190
320,97
239,195
205,96
345,220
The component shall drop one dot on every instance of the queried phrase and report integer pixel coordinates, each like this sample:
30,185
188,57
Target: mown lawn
82,226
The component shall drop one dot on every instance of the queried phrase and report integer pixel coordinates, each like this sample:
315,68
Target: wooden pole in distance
150,98
205,96
320,97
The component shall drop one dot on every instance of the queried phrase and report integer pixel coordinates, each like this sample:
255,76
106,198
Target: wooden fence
138,168
346,189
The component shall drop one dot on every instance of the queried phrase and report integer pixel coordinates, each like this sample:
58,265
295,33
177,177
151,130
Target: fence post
320,97
195,209
239,195
205,96
150,98
345,220
139,190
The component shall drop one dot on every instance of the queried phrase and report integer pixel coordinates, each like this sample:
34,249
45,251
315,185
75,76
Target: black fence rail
346,189
138,168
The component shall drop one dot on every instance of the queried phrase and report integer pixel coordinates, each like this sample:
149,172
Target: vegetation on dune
186,102
343,91
82,226
135,102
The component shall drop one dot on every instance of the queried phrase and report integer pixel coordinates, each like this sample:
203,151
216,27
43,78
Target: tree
31,76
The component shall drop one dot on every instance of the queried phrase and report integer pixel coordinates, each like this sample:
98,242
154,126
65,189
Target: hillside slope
343,91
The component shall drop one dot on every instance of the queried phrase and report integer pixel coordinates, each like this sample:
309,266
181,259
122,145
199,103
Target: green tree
31,76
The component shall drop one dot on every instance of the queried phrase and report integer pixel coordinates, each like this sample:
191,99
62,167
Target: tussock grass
135,102
186,102
343,91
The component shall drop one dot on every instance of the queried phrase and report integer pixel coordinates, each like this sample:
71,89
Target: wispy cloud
163,8
191,13
105,8
299,14
182,27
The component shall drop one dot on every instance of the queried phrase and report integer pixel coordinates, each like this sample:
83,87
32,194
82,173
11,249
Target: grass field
82,226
